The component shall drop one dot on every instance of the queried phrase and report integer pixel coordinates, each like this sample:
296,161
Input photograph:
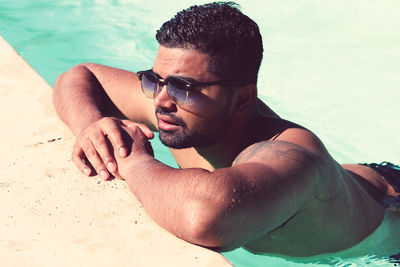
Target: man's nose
161,100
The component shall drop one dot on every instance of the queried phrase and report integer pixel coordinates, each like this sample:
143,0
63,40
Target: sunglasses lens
149,85
176,91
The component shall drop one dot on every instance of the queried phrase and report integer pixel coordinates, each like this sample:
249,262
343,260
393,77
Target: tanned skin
267,184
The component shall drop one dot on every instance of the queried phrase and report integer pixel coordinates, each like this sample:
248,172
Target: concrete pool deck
51,214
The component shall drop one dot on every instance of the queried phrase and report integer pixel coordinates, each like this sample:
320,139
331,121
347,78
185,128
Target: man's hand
139,151
97,144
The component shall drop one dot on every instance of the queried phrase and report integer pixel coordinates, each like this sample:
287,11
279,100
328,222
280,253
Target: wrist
79,125
136,165
144,161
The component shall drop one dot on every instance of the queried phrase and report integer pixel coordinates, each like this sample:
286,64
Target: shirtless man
247,177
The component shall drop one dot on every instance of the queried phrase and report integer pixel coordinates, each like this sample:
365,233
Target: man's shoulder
293,144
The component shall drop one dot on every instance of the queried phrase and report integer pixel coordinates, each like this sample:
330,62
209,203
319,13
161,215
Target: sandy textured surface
51,215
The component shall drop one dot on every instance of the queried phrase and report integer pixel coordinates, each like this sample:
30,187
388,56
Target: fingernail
122,151
103,174
87,171
111,167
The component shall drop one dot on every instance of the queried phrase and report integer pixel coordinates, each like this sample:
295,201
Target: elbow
71,72
211,234
76,70
64,87
59,84
64,80
209,225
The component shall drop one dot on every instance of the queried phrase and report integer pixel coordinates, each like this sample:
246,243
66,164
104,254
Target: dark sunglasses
179,90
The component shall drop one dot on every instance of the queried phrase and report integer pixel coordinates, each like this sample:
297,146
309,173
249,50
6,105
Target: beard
210,132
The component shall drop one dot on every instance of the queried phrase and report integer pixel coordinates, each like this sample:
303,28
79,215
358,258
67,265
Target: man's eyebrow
158,75
186,78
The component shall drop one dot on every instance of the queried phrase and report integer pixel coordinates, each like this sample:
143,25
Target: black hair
231,39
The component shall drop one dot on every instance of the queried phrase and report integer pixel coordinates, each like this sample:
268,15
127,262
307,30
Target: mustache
171,115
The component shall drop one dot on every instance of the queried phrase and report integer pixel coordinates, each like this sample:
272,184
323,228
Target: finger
94,159
145,129
139,140
103,148
78,159
114,134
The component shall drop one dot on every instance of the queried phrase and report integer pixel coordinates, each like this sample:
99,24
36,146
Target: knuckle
76,148
108,120
115,137
107,159
138,131
86,146
99,140
90,152
85,136
74,158
76,152
104,153
79,139
135,128
77,161
90,128
97,136
104,119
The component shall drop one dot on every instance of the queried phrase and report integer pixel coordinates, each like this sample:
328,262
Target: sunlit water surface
332,67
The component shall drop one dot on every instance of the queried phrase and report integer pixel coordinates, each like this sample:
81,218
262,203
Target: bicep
268,187
123,89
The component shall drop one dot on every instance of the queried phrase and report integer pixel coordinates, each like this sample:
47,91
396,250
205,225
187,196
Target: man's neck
224,152
243,132
215,156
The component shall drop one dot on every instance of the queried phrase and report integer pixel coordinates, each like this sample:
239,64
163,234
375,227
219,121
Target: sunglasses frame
188,85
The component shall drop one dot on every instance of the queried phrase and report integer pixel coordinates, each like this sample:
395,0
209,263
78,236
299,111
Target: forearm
223,209
77,97
183,201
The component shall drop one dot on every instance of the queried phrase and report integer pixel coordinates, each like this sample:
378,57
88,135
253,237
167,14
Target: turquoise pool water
330,66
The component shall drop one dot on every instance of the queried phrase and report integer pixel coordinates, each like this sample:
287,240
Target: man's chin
180,141
173,140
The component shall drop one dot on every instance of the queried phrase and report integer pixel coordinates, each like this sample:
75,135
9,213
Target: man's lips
166,123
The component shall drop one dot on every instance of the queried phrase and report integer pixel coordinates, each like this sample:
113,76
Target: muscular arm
89,92
267,184
85,97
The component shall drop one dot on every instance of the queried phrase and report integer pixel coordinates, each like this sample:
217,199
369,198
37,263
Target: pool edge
42,192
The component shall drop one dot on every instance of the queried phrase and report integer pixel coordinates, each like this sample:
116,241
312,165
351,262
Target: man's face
179,126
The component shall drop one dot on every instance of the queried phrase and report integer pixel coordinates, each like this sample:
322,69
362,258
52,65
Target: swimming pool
332,67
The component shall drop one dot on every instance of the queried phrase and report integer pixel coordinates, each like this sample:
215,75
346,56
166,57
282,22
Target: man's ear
243,99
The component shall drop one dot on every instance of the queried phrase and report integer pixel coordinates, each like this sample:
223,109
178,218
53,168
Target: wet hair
231,39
